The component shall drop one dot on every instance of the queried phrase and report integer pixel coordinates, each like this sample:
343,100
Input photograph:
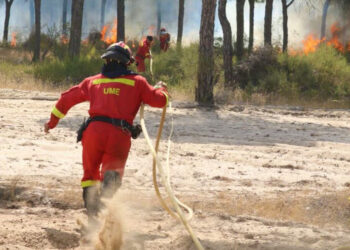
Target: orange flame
64,39
311,43
293,52
13,39
334,41
141,41
109,36
103,32
151,30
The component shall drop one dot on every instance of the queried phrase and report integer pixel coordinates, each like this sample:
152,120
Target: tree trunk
285,25
64,17
36,56
7,20
285,7
32,14
121,20
206,82
251,25
227,49
240,29
180,22
103,11
324,17
268,23
159,16
76,27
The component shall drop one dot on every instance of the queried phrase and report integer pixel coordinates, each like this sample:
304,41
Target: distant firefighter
142,53
164,38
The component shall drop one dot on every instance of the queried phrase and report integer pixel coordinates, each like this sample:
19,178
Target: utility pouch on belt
81,129
134,131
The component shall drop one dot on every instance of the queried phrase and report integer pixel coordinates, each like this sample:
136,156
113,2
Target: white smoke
141,19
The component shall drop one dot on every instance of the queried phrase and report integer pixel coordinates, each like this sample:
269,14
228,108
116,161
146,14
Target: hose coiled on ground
165,178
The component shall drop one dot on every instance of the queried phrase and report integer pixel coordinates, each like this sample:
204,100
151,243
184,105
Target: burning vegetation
311,43
14,39
297,73
109,33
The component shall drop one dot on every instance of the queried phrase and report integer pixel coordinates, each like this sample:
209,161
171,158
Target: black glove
136,131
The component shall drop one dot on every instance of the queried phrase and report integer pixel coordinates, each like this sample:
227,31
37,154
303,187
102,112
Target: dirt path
257,178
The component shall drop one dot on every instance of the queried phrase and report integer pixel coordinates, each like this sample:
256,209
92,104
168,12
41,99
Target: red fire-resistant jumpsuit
164,39
143,52
120,98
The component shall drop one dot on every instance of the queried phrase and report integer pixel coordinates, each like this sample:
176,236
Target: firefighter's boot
111,183
92,202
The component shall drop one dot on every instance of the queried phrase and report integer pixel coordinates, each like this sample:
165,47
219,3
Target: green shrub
167,67
321,75
68,71
253,69
273,82
176,67
318,76
49,42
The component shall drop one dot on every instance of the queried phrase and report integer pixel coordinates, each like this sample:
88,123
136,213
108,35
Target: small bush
318,76
251,70
321,75
177,67
69,71
167,67
48,42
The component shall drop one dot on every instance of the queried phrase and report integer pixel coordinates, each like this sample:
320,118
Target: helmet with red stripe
119,52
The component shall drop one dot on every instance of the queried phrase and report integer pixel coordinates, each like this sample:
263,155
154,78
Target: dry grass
322,210
16,72
19,77
67,198
27,82
14,55
16,192
181,94
238,96
9,192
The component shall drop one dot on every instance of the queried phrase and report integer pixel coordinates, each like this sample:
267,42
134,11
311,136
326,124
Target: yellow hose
155,183
166,183
154,169
151,63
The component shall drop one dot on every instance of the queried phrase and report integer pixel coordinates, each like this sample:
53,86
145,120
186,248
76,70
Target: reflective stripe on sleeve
57,113
89,183
167,97
118,80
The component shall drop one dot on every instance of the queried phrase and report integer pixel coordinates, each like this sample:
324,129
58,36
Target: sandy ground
256,177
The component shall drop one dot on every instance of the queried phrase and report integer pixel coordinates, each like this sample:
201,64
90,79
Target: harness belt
142,57
134,130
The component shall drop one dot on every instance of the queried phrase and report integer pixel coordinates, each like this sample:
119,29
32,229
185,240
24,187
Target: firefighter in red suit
142,53
115,96
164,38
